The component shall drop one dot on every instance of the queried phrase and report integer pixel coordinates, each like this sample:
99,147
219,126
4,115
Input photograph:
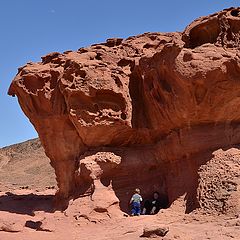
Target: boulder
155,231
10,226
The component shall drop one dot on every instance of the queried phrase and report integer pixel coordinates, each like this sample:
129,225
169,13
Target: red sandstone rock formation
143,112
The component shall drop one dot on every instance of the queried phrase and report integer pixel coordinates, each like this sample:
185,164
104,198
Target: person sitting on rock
136,203
152,206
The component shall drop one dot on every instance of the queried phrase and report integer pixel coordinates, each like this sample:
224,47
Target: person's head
156,195
137,190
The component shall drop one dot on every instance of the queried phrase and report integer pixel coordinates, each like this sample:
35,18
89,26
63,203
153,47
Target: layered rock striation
146,111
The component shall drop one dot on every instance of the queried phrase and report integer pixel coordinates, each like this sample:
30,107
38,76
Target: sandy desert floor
27,211
28,214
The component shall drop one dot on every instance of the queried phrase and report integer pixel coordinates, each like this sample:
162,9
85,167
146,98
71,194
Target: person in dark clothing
152,206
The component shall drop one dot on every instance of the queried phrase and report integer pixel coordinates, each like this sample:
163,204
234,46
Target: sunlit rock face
146,111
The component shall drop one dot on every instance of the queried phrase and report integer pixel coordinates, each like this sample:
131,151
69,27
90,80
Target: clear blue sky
32,28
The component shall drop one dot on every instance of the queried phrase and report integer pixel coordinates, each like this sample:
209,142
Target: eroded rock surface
158,103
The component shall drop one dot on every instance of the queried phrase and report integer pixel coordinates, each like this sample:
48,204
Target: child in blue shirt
136,203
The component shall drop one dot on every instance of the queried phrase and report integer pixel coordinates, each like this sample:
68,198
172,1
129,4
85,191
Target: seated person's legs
147,207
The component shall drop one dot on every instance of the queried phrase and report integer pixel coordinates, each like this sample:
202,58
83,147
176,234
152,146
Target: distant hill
25,165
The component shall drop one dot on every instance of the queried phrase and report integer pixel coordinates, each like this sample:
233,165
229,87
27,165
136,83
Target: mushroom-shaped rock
156,100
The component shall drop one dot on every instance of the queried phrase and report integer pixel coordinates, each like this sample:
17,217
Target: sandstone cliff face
146,111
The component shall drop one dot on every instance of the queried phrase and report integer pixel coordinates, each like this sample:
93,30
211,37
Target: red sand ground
18,206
